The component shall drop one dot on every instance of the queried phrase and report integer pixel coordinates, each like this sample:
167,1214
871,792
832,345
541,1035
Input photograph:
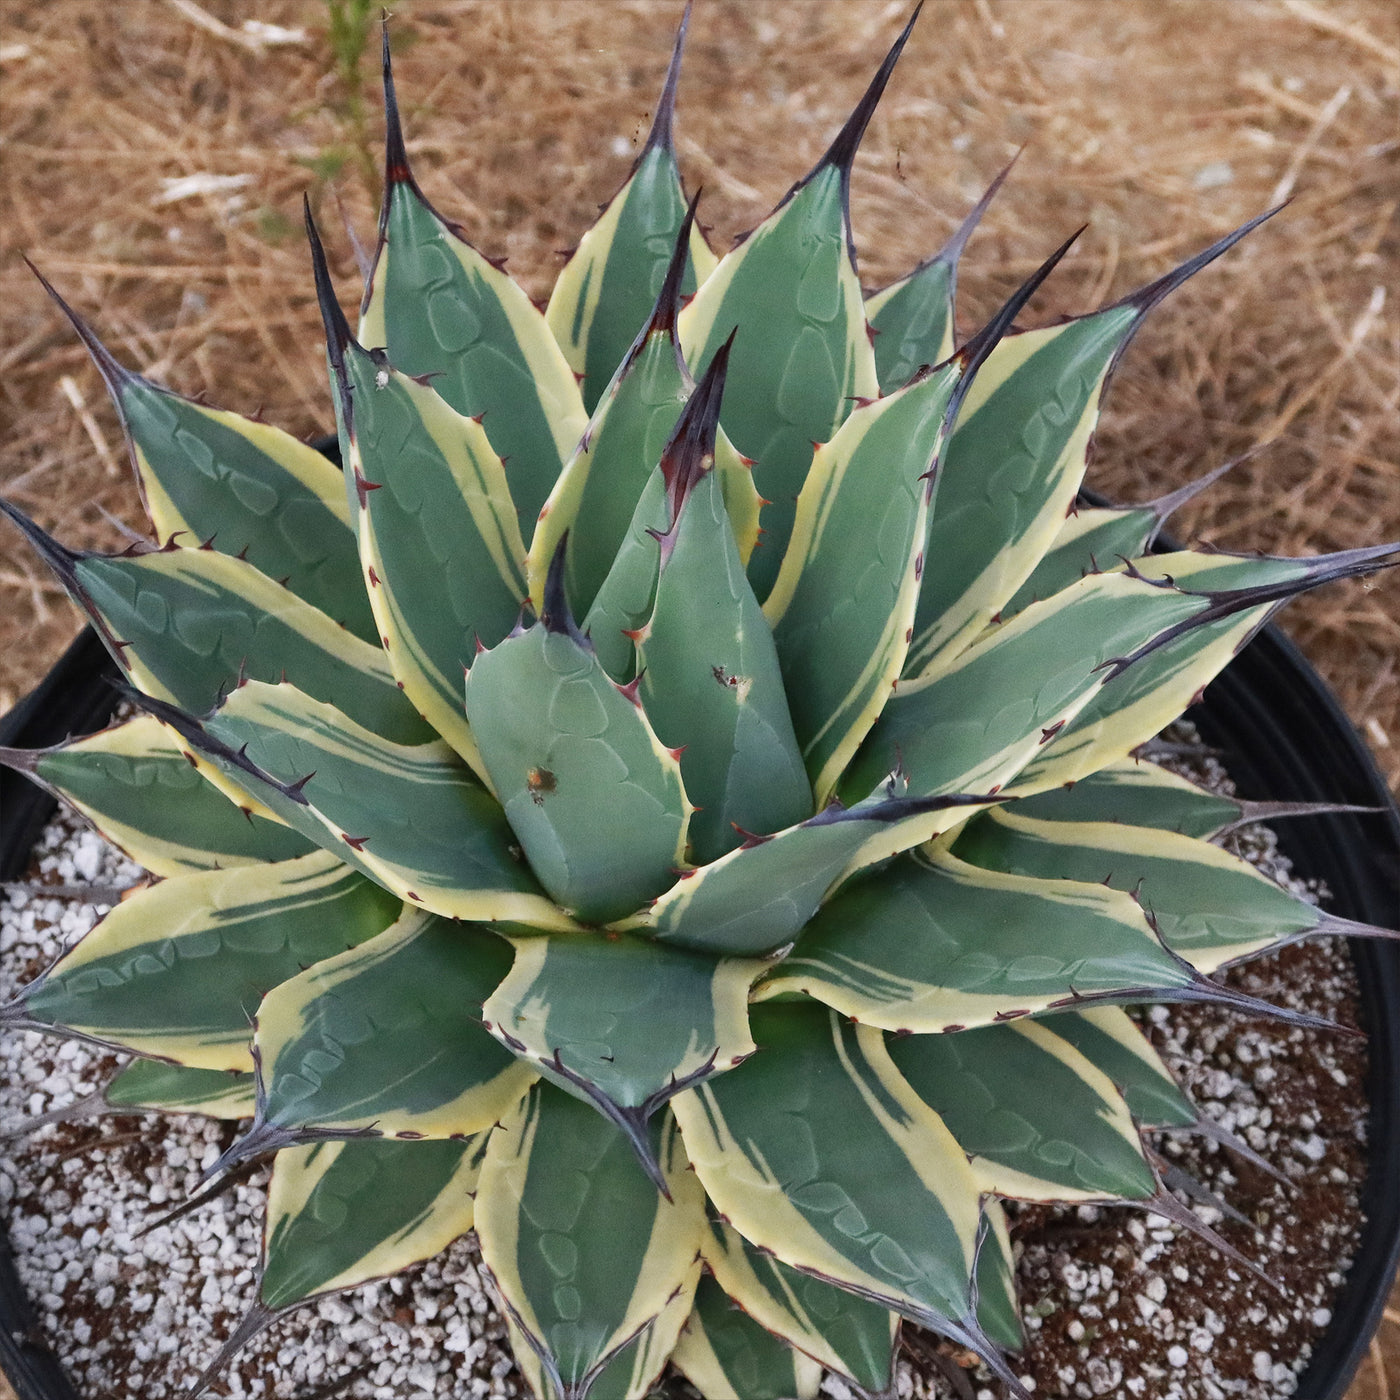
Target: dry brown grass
1163,123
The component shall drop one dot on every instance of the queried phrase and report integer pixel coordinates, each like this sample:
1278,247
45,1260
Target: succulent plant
505,796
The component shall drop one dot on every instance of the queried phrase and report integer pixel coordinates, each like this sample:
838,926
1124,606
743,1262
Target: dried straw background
1161,123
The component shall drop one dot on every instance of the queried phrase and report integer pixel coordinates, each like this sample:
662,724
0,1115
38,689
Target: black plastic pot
1284,736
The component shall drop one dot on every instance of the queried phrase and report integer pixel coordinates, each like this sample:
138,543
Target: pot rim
1285,735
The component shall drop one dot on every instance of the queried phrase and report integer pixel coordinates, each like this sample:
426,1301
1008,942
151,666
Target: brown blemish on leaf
540,782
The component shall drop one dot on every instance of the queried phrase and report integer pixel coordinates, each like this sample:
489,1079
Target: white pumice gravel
135,1317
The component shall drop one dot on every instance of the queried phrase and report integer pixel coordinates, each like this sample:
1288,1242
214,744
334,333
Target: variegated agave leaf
711,923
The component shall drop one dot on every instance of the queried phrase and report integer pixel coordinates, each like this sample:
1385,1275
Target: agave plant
864,795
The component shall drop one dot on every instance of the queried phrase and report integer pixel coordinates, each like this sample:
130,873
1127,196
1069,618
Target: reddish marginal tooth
356,843
631,690
919,566
908,634
1047,734
676,754
635,634
364,487
373,577
415,896
950,1030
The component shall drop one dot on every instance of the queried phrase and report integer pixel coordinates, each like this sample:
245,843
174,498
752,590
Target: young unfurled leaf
244,487
135,785
931,943
1110,1040
1151,685
727,1355
607,287
818,1150
1015,463
438,537
414,819
845,1332
441,308
387,1038
584,1250
1210,907
592,795
622,605
165,1088
179,969
597,492
1039,1121
341,1213
624,601
802,356
623,1022
708,670
187,625
598,489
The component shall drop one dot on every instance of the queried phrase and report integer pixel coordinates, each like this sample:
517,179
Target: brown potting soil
1162,123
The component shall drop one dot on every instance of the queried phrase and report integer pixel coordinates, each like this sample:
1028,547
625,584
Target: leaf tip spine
662,134
1145,298
339,337
841,153
396,167
115,375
